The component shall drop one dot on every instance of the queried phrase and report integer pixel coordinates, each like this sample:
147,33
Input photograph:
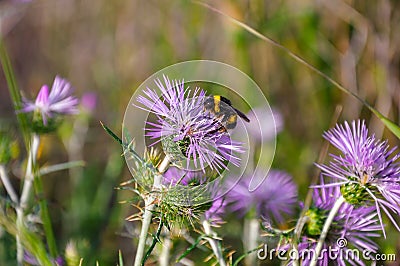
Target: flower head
276,196
351,227
366,171
56,101
185,129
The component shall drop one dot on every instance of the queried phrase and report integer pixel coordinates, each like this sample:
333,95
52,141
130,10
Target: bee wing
242,115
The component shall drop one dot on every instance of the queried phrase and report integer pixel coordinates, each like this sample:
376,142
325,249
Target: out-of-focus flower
366,171
51,103
29,258
186,130
351,228
276,196
89,101
215,212
265,130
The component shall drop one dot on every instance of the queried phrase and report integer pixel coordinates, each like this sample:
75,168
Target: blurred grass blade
121,261
395,129
45,216
244,256
189,249
14,92
30,240
61,166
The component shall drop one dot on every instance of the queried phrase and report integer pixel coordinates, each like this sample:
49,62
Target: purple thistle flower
182,120
276,196
367,170
217,209
351,228
57,101
175,176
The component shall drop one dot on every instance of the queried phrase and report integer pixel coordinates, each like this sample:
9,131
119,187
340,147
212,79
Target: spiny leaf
127,145
112,134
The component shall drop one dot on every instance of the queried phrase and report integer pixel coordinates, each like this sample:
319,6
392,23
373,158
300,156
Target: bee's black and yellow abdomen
231,121
222,108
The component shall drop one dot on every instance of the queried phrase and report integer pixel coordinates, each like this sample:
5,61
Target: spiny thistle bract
366,172
184,197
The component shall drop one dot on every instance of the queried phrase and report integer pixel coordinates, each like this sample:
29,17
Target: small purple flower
182,120
268,128
351,228
367,170
57,101
89,101
276,196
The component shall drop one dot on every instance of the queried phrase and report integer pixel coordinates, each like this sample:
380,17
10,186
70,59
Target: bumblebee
222,108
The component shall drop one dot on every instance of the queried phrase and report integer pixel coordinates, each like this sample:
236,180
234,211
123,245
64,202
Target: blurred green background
110,47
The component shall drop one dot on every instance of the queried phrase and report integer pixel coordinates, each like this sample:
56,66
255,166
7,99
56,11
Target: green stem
216,248
33,177
325,229
44,213
251,233
165,251
26,189
156,238
148,212
7,184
